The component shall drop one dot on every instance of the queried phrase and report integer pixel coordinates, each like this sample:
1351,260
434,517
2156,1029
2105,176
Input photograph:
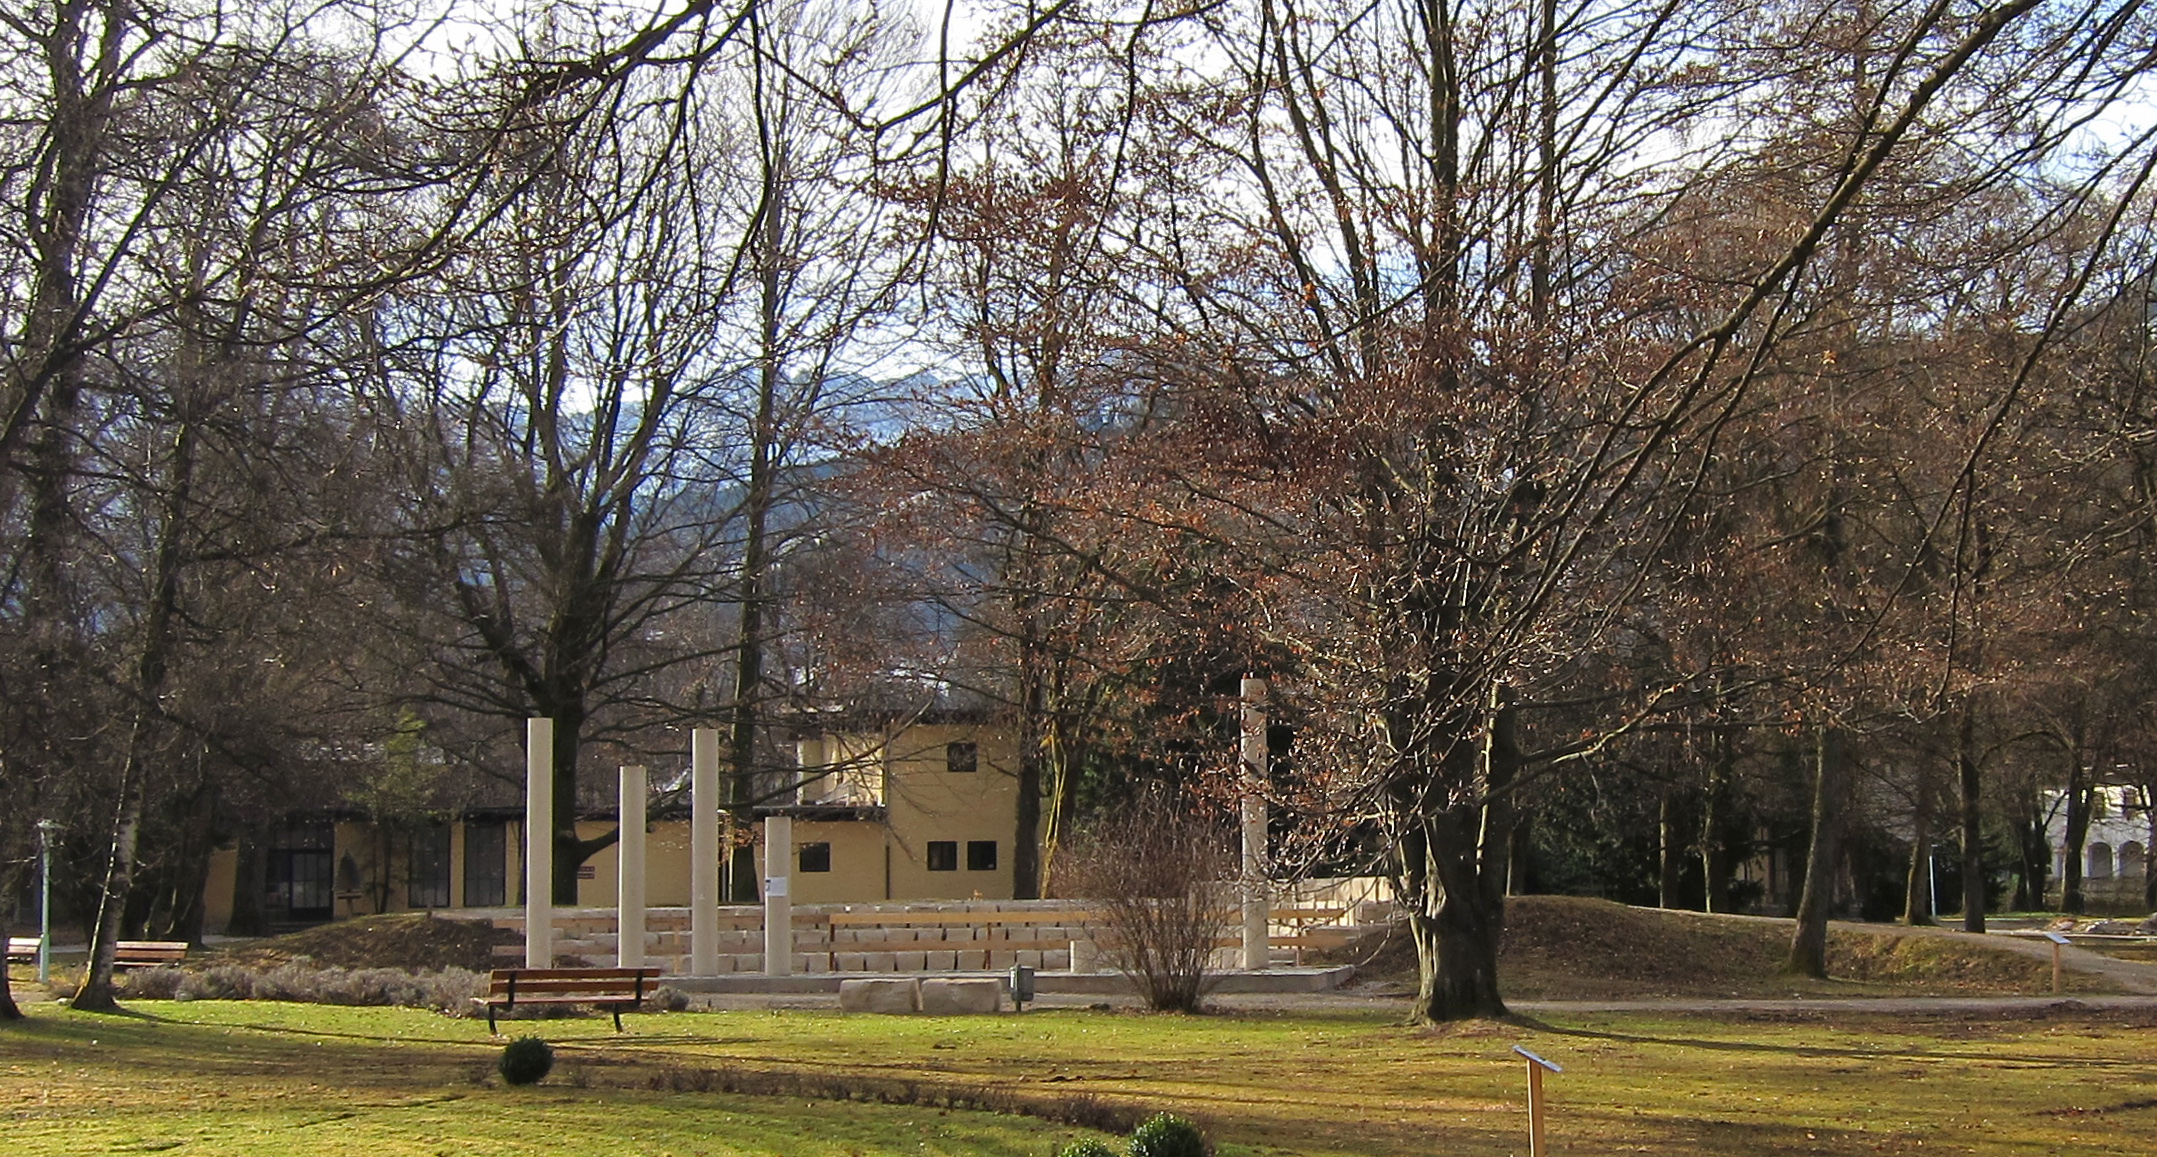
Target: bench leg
490,1021
617,1011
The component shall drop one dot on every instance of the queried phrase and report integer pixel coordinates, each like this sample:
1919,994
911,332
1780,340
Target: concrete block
911,961
895,995
812,962
1030,957
955,996
946,961
879,962
1056,958
853,962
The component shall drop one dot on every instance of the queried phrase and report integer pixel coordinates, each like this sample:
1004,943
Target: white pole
629,876
539,843
704,852
1255,772
778,903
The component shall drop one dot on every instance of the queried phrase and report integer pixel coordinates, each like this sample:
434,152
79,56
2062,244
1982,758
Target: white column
704,852
1255,892
629,874
778,902
539,843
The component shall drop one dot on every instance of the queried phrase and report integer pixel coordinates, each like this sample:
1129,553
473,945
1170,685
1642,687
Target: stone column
778,903
1255,891
629,876
704,852
539,843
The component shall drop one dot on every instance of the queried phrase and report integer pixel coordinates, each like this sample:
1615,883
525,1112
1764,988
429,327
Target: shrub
1167,1135
1087,1147
161,983
525,1060
449,990
1159,869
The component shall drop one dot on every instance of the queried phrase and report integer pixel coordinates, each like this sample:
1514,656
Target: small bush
1087,1147
526,1060
449,990
161,983
1167,1135
667,998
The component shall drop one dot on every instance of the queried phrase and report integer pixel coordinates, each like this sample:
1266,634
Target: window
981,855
301,871
427,872
486,867
815,857
943,855
963,756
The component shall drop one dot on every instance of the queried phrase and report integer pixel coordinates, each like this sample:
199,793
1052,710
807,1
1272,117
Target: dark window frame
981,855
962,757
943,855
427,881
814,856
486,864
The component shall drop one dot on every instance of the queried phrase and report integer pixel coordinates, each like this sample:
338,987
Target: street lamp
46,830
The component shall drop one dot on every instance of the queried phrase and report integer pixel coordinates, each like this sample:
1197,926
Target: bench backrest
511,983
161,951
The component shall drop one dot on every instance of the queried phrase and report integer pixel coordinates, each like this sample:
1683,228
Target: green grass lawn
262,1078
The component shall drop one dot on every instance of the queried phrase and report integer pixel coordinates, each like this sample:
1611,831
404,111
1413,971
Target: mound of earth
1576,948
411,940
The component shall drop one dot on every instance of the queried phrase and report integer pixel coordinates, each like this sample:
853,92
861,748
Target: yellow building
915,811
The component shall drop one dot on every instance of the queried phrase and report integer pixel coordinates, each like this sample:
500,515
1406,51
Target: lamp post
46,830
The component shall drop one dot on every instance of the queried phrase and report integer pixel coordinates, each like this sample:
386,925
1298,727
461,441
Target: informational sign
775,885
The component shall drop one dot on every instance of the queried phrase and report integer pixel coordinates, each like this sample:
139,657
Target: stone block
911,961
894,995
879,962
946,961
957,996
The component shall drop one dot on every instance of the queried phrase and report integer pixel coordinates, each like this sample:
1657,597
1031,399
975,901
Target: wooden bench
126,954
148,953
615,989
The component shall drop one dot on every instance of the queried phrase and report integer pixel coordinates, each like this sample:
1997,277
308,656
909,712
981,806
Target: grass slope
1572,948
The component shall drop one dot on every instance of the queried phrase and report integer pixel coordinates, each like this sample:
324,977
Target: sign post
1536,1065
2057,942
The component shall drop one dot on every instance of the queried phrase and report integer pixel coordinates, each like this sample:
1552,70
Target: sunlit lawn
226,1078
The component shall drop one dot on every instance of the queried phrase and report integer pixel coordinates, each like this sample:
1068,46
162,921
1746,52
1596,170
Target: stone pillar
629,874
778,903
539,843
704,852
1255,891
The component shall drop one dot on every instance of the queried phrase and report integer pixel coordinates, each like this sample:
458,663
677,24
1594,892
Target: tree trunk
1456,862
1917,880
11,881
2078,832
1670,848
2149,851
152,666
1714,860
1808,941
1969,777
